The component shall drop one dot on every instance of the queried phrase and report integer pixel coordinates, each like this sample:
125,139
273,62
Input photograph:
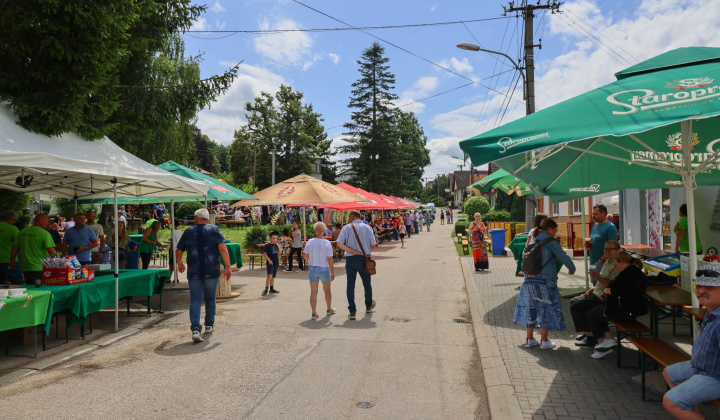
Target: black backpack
532,257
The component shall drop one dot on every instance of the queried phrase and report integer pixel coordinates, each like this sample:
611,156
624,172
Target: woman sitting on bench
624,301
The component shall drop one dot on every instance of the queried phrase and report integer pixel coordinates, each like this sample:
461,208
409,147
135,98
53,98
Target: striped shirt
706,350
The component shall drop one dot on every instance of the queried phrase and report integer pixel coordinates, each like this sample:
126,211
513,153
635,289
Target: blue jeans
198,288
353,267
321,274
415,226
691,389
408,229
11,276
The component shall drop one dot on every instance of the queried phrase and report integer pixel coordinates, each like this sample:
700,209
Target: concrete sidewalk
562,383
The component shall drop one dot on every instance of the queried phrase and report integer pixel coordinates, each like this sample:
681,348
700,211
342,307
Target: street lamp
529,101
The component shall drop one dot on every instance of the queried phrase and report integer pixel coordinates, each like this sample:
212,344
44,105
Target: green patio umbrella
218,190
657,126
505,182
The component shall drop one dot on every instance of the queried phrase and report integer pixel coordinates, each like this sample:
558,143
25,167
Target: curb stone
502,400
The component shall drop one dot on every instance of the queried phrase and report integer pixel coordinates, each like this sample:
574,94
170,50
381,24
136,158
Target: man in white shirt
354,259
97,252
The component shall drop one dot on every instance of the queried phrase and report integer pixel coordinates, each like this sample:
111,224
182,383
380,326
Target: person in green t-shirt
681,230
8,233
34,243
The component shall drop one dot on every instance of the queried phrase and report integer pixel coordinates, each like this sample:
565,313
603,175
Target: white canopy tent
72,167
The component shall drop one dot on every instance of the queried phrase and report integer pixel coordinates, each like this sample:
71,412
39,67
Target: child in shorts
319,257
402,230
271,252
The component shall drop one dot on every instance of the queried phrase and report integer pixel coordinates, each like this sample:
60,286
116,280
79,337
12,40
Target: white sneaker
531,342
300,271
287,270
608,343
209,329
547,345
600,354
197,337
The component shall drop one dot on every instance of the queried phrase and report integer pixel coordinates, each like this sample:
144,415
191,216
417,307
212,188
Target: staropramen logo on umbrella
674,154
685,93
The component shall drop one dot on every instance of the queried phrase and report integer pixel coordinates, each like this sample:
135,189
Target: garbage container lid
498,230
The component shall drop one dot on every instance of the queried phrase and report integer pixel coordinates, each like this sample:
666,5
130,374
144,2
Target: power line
606,50
367,28
394,45
601,34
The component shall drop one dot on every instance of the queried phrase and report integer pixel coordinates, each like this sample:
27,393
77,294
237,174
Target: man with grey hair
8,233
354,259
697,380
205,246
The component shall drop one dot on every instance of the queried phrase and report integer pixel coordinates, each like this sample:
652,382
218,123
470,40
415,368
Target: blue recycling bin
497,239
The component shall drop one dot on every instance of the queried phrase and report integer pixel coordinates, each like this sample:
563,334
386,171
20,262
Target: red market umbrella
371,201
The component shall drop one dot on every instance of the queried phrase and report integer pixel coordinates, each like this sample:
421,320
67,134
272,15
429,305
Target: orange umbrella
301,190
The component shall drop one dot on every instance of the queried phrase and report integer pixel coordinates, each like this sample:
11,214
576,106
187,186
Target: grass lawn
231,234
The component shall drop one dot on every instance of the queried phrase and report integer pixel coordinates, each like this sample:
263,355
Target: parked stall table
644,250
29,311
81,300
672,296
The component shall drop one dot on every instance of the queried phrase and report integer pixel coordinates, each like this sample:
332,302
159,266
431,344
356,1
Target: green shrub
187,210
255,235
476,205
496,215
461,227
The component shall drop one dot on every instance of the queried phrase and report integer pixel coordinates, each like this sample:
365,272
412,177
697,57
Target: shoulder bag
369,261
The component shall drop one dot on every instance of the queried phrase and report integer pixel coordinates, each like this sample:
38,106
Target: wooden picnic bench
658,350
231,223
465,245
628,329
252,258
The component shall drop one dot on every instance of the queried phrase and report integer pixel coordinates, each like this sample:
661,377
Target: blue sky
581,49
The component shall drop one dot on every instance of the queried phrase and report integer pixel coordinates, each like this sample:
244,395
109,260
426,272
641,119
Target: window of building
555,209
576,206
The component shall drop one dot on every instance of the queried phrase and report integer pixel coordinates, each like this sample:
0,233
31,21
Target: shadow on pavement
187,347
318,324
363,323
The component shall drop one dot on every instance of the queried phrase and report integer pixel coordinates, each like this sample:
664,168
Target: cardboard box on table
63,276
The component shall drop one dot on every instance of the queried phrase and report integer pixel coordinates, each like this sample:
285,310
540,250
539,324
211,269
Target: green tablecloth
136,238
235,254
20,313
517,246
81,300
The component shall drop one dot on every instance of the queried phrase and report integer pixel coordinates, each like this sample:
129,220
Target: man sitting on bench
698,379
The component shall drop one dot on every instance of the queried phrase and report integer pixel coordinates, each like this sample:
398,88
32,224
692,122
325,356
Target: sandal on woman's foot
331,311
315,316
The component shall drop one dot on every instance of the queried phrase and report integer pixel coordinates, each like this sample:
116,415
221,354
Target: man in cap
698,380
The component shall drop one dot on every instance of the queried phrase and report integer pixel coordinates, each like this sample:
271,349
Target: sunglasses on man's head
707,273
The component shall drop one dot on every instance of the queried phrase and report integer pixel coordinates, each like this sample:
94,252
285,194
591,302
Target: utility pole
527,11
273,167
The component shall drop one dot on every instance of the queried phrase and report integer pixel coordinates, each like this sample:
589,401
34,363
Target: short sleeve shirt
318,251
80,237
33,242
8,234
598,236
297,240
706,349
365,233
271,250
685,244
98,229
203,256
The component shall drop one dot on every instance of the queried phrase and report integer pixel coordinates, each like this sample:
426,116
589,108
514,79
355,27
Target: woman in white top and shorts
319,256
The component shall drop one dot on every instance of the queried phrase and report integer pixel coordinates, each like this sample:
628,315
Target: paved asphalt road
269,360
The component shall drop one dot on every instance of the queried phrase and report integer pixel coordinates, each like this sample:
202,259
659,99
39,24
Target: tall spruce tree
371,139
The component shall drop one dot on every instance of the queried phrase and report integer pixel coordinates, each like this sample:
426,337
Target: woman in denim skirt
319,257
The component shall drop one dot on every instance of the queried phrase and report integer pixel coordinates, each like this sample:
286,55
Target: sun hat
708,275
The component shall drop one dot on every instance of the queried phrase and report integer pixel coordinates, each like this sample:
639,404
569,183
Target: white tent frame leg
172,241
115,255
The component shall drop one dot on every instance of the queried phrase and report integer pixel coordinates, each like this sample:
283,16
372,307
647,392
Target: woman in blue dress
538,303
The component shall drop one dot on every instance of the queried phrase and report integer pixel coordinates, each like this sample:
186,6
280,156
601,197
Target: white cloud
217,7
219,25
227,114
200,24
433,7
291,48
656,26
460,66
422,88
334,57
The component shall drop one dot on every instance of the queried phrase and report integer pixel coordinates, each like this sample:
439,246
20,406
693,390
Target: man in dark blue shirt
205,245
698,380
